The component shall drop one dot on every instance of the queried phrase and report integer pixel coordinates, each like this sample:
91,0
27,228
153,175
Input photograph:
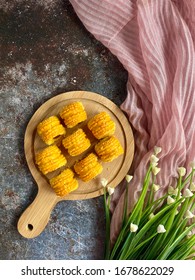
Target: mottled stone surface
45,50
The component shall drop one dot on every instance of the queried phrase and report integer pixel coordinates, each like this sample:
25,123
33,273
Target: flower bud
187,193
192,187
189,214
157,150
170,200
128,178
161,229
192,164
155,187
181,171
189,233
110,190
155,170
104,182
151,216
154,164
133,227
154,160
172,191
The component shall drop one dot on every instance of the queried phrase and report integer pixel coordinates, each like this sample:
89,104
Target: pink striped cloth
154,40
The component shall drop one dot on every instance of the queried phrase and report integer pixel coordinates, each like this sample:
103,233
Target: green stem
146,243
107,210
124,220
134,217
144,230
169,248
141,245
184,251
188,178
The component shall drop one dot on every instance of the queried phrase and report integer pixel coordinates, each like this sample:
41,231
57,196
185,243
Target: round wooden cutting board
34,219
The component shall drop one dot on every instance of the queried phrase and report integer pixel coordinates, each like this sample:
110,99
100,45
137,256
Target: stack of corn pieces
73,114
51,158
64,183
109,148
50,129
76,143
88,168
101,125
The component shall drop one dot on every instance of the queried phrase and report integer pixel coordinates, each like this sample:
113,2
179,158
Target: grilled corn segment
73,113
76,143
49,129
109,148
64,183
101,125
50,159
88,168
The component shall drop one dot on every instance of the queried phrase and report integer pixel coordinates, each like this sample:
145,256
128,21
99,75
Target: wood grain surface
34,219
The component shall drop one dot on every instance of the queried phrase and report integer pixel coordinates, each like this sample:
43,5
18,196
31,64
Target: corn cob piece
64,183
101,125
76,143
88,168
50,159
109,148
73,113
49,129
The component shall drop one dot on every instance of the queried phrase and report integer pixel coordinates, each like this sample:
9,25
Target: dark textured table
45,50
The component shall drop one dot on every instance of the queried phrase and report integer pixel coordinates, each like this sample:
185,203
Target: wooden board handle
35,218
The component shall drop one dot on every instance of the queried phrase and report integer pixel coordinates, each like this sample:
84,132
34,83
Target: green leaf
107,210
169,248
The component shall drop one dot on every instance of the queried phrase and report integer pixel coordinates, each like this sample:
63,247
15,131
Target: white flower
128,178
170,200
180,195
176,212
189,233
151,216
133,227
172,191
155,187
189,214
104,182
181,171
154,160
161,229
154,164
157,150
192,164
110,190
155,170
187,193
192,187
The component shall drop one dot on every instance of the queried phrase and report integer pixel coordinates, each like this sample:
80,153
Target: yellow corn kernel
50,159
101,125
88,168
49,129
109,148
76,143
64,183
73,113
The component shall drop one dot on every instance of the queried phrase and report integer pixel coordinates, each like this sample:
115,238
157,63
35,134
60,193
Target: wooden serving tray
34,219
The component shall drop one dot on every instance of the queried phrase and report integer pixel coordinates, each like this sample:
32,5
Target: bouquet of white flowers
155,229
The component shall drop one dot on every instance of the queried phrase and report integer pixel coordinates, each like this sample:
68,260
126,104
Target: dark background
45,50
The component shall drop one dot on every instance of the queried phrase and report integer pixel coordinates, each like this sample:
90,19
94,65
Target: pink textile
154,40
